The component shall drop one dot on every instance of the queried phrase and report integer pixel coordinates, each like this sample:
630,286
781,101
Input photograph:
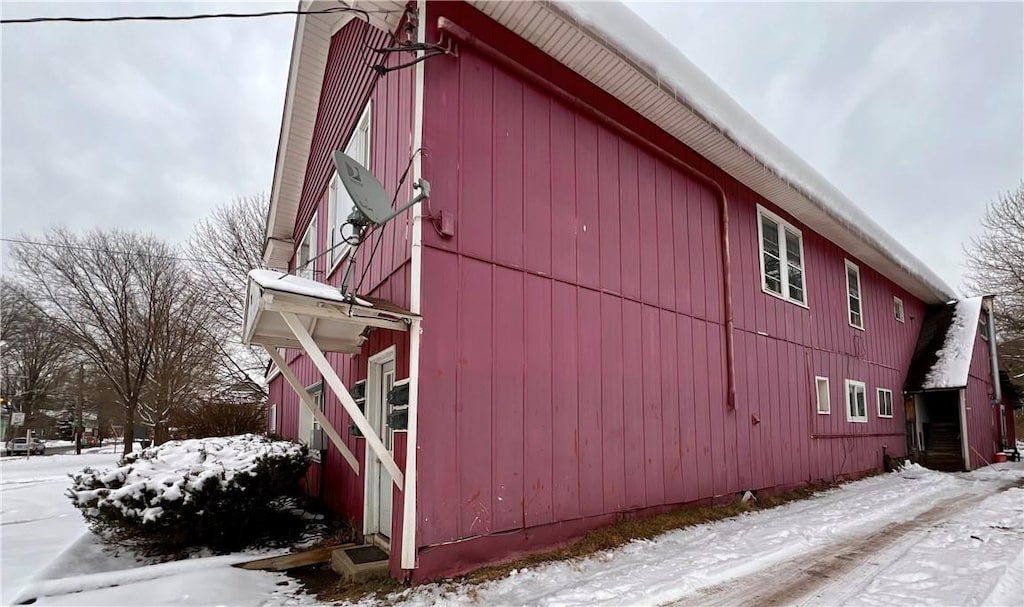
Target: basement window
272,422
856,401
310,432
897,306
782,258
854,304
884,402
824,399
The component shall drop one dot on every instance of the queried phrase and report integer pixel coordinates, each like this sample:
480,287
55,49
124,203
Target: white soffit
587,44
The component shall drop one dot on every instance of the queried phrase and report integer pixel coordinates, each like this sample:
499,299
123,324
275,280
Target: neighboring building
623,294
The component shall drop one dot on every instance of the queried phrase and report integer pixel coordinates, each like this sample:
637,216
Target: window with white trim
983,325
856,401
305,253
339,203
309,428
272,422
854,302
782,257
824,399
897,308
884,402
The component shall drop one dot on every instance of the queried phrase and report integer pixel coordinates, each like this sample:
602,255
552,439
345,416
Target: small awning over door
286,311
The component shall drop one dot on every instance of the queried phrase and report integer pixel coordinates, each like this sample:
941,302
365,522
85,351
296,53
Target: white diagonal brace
310,404
327,371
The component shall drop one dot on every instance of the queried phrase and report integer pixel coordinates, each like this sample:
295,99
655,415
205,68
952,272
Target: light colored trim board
338,387
416,287
849,383
783,257
964,437
860,294
307,401
818,381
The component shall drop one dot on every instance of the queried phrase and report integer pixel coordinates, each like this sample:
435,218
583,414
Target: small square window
824,400
897,307
856,401
884,402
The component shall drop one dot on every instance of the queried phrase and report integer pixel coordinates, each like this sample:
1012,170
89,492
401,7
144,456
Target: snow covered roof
945,347
611,46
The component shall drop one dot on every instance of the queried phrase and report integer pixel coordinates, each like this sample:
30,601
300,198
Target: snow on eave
953,364
639,44
272,280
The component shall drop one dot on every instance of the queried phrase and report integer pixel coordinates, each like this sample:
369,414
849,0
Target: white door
383,478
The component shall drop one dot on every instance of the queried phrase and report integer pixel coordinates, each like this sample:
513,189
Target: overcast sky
915,111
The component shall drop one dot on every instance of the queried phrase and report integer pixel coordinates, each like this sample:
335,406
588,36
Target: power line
195,17
57,245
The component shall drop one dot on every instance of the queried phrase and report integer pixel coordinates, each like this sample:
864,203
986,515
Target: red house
622,294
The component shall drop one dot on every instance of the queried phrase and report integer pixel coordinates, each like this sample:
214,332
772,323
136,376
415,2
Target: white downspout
416,279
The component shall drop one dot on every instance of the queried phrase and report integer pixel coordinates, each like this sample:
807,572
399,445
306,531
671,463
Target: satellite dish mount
372,203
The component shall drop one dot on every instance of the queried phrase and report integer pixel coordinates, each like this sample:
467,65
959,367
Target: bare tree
185,365
996,261
111,293
35,356
226,245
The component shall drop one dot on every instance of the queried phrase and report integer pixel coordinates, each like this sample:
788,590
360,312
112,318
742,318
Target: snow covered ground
47,552
914,537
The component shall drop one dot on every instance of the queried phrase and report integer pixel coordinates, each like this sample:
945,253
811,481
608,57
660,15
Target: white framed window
339,203
897,308
884,402
306,252
983,325
782,257
310,433
854,302
856,401
824,398
272,421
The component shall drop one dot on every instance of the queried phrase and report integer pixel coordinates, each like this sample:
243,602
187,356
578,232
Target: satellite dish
373,203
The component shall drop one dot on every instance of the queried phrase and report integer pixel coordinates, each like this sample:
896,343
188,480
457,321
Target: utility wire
195,17
58,245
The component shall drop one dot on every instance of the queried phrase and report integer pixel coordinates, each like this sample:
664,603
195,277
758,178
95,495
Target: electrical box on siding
398,396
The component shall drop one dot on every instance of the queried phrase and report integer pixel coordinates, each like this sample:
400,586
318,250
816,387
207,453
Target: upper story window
856,401
983,325
339,203
853,296
897,307
824,399
782,257
305,253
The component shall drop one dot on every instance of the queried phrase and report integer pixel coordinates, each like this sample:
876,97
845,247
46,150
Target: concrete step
358,564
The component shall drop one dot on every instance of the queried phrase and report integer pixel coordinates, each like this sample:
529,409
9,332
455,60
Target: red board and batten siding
982,411
347,83
573,349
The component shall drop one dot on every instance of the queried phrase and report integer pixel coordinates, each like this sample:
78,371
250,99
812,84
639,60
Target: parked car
19,446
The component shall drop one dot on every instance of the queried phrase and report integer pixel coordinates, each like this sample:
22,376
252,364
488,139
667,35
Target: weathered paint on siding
346,86
574,358
982,412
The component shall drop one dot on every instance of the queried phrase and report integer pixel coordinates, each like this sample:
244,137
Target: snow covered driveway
48,554
913,537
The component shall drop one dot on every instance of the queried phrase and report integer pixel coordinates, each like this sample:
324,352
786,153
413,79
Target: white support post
327,371
409,510
307,400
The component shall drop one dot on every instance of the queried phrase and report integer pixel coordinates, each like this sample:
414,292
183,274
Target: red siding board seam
446,25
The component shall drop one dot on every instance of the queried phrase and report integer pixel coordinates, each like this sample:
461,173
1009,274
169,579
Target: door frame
374,414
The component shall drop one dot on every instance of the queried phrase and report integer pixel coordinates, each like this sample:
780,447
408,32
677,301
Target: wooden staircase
943,450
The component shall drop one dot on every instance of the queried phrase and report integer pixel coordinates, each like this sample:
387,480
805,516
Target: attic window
897,305
782,258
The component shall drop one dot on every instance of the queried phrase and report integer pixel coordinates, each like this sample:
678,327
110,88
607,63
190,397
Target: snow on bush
219,492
